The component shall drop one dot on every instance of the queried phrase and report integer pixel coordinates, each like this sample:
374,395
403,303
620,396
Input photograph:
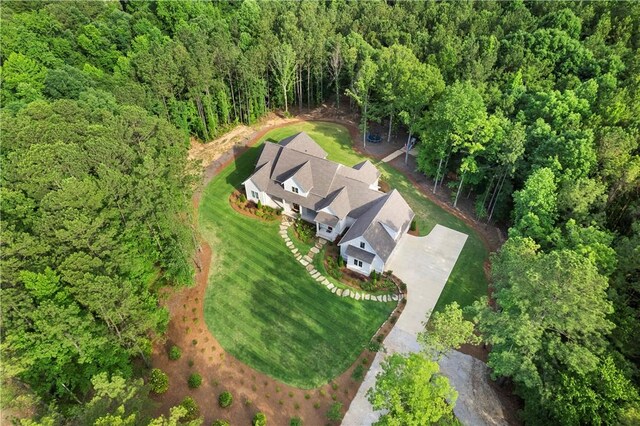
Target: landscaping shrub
316,405
259,420
220,422
259,205
305,231
295,421
413,225
358,373
159,381
193,411
195,380
341,261
225,399
335,412
332,268
242,198
374,346
367,285
175,353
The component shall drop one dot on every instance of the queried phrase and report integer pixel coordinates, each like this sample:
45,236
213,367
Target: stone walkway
306,260
424,264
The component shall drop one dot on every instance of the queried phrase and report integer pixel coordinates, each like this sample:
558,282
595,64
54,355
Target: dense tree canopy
529,109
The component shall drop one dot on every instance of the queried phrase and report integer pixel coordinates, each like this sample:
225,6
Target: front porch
327,225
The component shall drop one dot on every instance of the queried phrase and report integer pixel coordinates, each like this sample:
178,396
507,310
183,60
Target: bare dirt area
485,403
252,390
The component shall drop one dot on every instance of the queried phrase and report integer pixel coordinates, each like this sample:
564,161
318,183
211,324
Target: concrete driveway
424,264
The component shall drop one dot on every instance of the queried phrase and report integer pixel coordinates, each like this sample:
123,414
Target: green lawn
263,307
467,281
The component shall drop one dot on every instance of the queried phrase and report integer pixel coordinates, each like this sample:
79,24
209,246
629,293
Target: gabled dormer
391,230
301,180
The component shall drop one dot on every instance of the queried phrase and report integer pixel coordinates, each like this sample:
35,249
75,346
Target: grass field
263,307
467,281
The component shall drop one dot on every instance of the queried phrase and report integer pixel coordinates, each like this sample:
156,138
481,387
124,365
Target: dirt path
253,391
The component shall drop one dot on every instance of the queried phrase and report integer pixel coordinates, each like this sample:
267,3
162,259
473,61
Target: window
362,245
357,262
294,189
254,194
329,229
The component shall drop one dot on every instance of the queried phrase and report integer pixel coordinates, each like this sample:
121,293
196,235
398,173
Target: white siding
291,183
249,187
377,264
365,269
331,236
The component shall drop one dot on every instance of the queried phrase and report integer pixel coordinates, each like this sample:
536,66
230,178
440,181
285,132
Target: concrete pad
393,155
424,264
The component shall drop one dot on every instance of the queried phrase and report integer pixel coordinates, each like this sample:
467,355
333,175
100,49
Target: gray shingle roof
326,219
391,210
344,190
338,202
302,142
358,253
365,172
262,176
304,177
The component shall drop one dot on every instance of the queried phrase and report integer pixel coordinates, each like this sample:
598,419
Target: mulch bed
248,208
352,278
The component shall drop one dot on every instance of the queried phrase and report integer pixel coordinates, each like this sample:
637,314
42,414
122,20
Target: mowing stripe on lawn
263,306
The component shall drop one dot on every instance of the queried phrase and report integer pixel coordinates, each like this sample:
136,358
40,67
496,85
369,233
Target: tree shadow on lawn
244,161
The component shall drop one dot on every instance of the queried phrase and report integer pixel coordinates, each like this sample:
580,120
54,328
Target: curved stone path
306,260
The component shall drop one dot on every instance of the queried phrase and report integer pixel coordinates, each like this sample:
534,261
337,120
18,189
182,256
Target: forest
531,109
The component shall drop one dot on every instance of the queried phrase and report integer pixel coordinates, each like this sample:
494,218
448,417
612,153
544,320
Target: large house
296,176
